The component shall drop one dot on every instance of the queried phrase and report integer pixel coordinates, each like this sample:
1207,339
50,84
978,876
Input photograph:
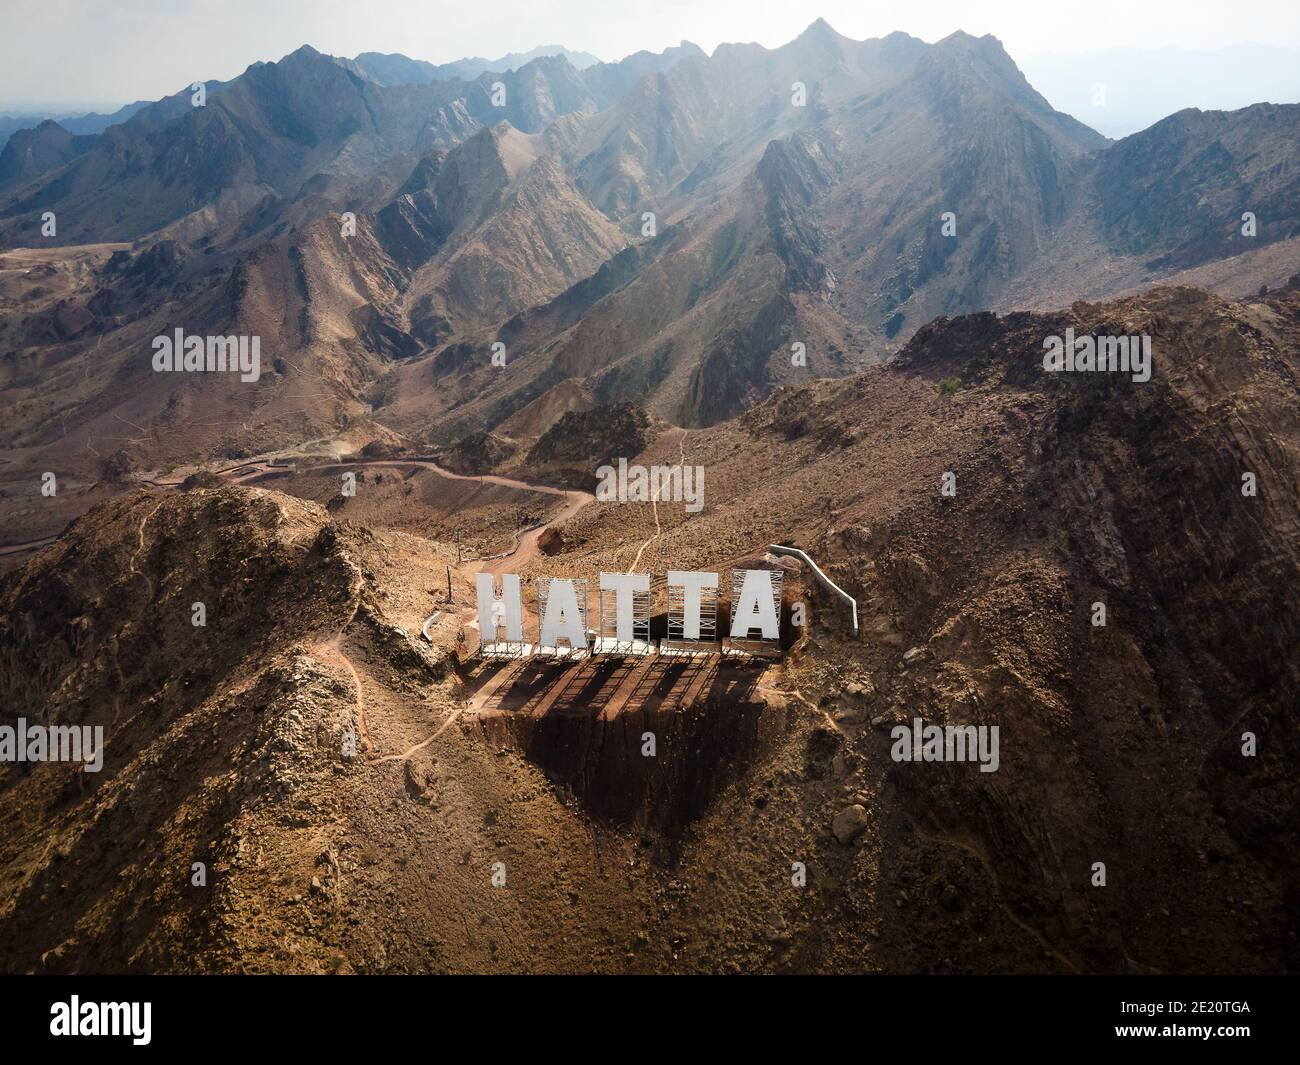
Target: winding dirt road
252,472
526,547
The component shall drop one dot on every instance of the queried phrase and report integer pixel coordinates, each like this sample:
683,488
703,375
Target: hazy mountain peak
821,30
304,51
517,150
31,152
964,43
397,69
820,38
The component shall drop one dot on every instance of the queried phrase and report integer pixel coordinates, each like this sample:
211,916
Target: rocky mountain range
660,231
824,273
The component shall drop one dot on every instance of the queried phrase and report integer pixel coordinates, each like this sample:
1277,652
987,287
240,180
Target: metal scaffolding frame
492,648
607,641
738,582
543,594
754,645
505,649
677,640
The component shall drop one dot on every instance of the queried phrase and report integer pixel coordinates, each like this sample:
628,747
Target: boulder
850,823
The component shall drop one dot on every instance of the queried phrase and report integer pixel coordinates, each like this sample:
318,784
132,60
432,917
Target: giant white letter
623,585
507,610
757,606
692,583
563,619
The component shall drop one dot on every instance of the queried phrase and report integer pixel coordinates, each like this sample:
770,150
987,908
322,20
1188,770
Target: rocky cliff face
1176,193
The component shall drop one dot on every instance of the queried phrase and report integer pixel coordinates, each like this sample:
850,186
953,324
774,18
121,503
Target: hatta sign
623,619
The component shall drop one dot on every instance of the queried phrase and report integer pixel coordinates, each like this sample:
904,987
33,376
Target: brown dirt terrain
419,501
1119,744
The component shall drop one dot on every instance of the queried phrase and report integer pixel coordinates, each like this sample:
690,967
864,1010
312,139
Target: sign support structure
562,605
624,627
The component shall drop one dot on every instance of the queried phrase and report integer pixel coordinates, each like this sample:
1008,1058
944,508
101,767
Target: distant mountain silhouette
397,69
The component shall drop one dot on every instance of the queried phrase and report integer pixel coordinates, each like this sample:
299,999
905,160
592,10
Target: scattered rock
883,631
850,823
552,542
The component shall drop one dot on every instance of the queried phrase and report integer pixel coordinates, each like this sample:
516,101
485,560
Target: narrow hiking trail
332,652
405,755
139,549
526,548
654,500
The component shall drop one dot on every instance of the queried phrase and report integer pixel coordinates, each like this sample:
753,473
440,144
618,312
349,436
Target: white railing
781,549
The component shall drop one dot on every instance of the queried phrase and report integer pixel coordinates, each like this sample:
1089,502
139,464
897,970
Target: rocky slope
1177,192
31,152
1120,743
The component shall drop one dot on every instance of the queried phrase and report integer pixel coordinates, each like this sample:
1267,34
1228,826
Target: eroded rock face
1102,590
551,542
699,748
581,441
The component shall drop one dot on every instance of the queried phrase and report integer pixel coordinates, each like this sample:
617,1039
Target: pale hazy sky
77,53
